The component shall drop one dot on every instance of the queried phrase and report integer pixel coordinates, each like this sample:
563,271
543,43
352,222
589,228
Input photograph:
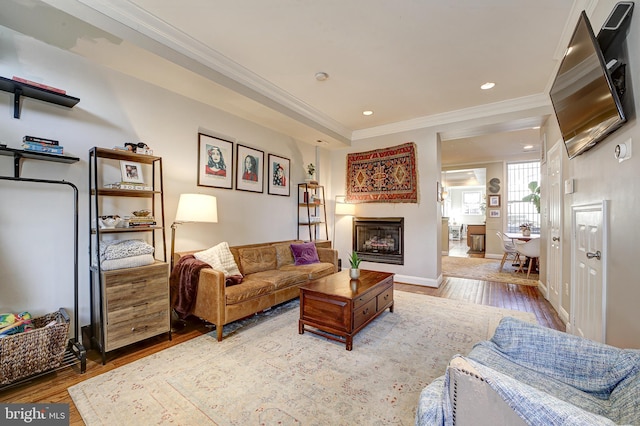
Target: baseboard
407,279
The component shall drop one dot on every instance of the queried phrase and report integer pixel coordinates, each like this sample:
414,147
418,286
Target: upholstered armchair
531,375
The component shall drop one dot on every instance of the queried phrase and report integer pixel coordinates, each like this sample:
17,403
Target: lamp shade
345,209
197,208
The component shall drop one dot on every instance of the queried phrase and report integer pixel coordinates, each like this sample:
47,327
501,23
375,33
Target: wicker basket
32,352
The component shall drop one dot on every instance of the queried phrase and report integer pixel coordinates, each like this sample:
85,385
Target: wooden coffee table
337,307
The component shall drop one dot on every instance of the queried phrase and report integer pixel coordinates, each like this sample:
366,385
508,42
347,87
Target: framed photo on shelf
131,172
494,201
249,169
278,175
494,213
215,162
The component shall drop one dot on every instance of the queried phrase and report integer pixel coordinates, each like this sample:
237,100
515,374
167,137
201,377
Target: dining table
520,236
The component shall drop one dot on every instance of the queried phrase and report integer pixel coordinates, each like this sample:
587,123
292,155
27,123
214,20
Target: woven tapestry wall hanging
385,175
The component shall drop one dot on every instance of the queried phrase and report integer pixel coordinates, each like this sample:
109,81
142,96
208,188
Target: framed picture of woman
215,162
278,175
249,169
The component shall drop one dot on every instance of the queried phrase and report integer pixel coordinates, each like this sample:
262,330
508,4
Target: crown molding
246,82
472,113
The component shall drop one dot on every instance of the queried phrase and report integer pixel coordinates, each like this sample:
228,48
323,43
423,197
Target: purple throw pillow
305,253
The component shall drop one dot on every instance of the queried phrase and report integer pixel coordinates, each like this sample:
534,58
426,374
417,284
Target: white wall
422,220
36,233
599,176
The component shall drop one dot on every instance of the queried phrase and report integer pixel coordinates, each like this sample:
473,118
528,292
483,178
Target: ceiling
413,63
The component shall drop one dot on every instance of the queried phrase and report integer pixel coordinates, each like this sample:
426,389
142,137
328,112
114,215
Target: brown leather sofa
270,277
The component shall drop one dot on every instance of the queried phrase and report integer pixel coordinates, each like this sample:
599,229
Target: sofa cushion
257,259
220,258
305,253
249,289
312,271
282,278
284,256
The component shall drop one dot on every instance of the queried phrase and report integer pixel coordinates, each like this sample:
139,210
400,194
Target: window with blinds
519,175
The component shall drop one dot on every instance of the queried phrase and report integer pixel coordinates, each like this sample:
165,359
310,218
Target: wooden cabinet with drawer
136,304
128,304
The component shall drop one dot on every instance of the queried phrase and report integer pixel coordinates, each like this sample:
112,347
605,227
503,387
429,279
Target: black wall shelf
19,154
21,89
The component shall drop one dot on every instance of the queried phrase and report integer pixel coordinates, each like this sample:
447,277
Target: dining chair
530,249
508,248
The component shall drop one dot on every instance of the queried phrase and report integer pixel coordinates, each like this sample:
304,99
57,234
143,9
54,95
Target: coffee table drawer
364,313
385,298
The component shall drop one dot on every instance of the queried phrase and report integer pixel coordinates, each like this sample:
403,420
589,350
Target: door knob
556,238
597,255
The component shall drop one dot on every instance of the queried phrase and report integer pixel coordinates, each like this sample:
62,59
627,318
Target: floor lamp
342,208
193,208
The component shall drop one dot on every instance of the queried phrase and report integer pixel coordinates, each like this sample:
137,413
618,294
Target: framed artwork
249,169
278,175
131,172
494,213
215,162
543,149
494,201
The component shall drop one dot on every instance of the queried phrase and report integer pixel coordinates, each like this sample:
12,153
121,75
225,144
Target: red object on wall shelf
39,85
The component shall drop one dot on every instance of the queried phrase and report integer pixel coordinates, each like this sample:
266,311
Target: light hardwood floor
53,387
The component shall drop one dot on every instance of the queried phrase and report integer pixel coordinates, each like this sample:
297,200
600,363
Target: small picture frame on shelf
494,201
249,169
131,172
278,175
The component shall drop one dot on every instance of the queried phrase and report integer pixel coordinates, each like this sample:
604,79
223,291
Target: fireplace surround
379,239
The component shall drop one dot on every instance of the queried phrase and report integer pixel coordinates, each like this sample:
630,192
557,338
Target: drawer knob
365,312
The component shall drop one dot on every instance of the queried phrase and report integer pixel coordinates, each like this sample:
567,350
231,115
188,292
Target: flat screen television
583,95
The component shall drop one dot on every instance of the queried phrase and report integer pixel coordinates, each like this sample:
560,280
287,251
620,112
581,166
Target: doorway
464,204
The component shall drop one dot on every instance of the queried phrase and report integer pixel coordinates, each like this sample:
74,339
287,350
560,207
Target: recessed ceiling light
367,112
322,76
527,147
488,85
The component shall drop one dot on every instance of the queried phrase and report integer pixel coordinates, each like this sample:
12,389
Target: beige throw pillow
220,258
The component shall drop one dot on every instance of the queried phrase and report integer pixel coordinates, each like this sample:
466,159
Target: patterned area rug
477,268
386,175
265,373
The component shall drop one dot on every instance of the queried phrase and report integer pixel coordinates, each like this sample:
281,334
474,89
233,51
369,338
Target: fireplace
379,239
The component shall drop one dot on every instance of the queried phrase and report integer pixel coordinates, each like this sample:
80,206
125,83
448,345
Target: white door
588,304
554,245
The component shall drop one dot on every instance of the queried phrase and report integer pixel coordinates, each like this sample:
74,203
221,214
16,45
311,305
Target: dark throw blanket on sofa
184,284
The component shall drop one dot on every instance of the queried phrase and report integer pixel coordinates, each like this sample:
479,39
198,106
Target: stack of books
140,221
36,144
127,185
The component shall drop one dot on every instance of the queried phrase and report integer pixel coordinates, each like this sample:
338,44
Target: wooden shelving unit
131,304
308,209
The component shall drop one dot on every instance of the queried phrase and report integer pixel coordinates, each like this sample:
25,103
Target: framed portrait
494,201
215,162
494,213
249,169
278,175
131,172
